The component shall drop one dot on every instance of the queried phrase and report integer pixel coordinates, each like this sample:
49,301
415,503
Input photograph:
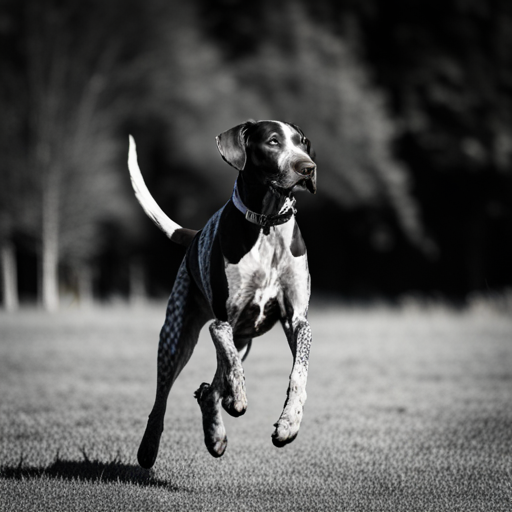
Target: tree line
396,105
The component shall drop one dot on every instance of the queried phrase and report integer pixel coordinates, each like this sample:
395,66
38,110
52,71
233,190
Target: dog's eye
305,142
273,142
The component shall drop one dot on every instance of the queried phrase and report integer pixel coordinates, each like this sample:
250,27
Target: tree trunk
49,272
50,244
9,276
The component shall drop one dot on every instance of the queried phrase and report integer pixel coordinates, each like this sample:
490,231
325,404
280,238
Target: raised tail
174,231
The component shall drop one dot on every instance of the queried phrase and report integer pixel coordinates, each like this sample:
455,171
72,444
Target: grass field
408,409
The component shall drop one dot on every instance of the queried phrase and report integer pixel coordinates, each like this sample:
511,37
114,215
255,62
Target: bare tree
10,197
16,189
71,70
62,90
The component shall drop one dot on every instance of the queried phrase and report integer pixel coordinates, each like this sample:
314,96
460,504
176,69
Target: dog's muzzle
307,169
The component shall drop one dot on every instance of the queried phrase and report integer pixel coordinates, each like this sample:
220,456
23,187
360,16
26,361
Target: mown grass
408,409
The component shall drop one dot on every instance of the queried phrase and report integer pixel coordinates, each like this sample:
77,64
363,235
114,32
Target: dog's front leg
228,385
299,339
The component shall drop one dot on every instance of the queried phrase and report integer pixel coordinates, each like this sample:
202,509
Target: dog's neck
260,198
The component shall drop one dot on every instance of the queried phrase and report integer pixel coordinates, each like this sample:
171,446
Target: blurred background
407,104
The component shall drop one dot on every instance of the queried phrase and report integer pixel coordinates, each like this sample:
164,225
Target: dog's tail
174,231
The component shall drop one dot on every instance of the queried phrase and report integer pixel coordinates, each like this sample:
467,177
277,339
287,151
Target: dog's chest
259,282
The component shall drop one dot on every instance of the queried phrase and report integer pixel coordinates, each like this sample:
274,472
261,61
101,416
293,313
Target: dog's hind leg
228,385
299,338
186,313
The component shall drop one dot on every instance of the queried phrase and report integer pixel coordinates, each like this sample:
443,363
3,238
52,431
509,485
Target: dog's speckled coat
246,269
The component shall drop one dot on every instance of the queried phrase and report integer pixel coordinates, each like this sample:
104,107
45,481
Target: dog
246,269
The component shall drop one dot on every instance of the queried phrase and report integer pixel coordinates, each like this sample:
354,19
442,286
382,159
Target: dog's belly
256,319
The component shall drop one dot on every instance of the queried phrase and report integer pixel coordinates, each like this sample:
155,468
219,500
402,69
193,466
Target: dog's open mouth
307,184
311,183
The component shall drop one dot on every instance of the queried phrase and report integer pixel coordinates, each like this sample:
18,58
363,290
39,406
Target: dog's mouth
298,175
307,184
311,183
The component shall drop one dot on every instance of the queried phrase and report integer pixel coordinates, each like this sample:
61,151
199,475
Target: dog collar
285,213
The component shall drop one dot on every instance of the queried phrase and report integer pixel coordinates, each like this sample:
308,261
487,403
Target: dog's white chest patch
258,279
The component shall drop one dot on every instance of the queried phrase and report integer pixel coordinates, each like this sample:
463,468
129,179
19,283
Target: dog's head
276,153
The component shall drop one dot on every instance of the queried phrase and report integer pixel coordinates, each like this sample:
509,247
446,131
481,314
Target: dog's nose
305,168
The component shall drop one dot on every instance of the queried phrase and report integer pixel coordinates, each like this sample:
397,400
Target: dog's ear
231,145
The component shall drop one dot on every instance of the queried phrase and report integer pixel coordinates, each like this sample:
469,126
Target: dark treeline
408,105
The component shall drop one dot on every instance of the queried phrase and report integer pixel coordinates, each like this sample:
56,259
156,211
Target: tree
70,70
447,68
17,187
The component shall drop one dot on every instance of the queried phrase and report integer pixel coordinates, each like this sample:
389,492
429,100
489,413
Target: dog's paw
148,449
235,407
234,400
216,445
285,431
215,437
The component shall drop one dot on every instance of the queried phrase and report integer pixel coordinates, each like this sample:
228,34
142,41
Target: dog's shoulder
236,236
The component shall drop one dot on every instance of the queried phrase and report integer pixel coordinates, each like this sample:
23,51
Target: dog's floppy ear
231,145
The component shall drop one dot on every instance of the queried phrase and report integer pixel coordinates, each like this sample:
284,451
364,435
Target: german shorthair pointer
246,269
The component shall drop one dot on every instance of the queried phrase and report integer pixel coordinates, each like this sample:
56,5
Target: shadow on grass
87,470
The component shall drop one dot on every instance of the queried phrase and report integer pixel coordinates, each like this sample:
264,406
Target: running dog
246,270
